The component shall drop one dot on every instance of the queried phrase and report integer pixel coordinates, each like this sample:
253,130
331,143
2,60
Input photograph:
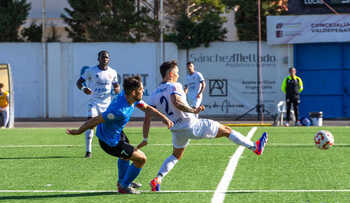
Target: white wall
66,59
26,64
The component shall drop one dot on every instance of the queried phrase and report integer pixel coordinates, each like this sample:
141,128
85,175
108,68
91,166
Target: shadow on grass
41,157
24,197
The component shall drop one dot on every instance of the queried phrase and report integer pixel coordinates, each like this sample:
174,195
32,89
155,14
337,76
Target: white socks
166,167
88,139
240,139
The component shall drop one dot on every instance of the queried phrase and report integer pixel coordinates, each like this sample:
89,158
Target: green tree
108,20
32,33
246,16
196,22
184,37
13,14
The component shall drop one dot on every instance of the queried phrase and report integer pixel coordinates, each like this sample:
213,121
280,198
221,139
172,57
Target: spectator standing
292,86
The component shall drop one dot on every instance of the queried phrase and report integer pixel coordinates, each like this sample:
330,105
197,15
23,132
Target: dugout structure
6,79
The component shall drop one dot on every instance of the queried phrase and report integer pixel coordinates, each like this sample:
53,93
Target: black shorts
293,100
122,150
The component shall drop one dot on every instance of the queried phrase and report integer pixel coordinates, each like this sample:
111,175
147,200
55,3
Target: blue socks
122,168
130,175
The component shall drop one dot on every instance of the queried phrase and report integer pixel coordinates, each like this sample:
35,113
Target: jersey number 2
163,100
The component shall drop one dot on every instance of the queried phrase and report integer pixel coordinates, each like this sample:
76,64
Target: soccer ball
324,139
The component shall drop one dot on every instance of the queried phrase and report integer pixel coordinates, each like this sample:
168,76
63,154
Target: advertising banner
330,2
308,29
230,71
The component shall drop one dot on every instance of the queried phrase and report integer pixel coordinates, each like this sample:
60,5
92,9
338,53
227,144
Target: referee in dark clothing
292,86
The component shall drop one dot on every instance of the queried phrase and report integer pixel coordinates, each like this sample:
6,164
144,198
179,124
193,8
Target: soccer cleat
260,144
88,155
133,185
155,184
128,190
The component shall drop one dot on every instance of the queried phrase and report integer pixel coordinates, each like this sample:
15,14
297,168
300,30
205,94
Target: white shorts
202,128
97,108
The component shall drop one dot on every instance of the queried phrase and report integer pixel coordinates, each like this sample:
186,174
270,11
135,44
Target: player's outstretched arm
147,108
182,106
145,129
91,123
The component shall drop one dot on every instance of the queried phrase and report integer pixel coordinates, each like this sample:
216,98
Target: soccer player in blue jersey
111,136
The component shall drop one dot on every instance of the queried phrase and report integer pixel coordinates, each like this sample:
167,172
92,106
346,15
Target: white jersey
193,83
100,82
161,100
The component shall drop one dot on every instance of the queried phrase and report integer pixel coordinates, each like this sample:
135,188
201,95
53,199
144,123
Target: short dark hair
1,85
131,83
102,52
291,68
189,63
166,66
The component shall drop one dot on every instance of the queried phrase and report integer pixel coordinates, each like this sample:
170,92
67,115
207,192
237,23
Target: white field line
221,189
34,146
196,144
175,191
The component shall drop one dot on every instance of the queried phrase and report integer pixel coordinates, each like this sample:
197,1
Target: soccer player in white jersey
170,99
194,86
101,80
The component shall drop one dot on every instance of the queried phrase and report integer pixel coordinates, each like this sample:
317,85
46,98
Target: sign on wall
308,29
305,7
330,2
230,72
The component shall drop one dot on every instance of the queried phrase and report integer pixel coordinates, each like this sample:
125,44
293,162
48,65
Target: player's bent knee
224,131
140,159
178,153
178,156
143,158
228,130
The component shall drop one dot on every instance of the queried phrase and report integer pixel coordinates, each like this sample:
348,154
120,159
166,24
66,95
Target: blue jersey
116,117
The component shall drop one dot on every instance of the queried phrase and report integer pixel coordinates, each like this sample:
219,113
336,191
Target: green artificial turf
290,162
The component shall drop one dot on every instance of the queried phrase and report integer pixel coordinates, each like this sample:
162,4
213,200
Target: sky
54,8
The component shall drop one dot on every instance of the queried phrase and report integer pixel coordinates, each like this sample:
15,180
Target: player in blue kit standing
110,133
